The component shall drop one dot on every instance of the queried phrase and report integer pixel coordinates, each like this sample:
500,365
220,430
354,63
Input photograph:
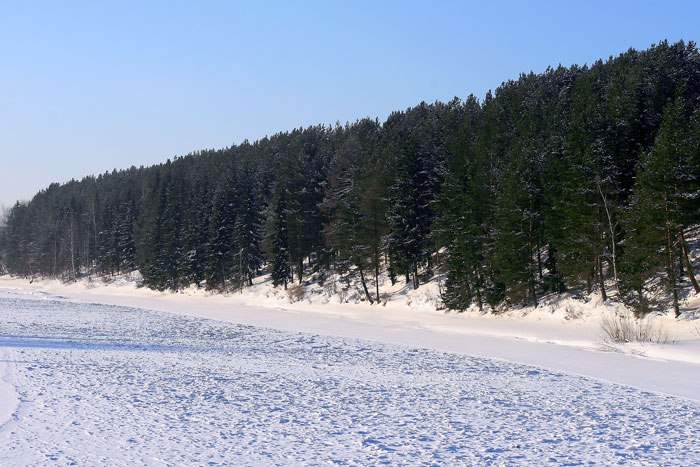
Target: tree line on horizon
582,179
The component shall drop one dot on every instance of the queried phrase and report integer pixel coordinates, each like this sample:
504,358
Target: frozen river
89,384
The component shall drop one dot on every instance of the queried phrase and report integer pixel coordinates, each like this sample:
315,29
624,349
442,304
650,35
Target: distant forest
583,179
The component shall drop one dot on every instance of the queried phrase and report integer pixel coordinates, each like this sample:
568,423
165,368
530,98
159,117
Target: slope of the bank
564,336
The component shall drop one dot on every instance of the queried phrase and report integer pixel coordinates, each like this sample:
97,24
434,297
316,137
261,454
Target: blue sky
86,87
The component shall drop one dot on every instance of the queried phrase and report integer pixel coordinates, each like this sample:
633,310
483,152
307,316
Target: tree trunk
479,301
613,242
681,266
364,285
588,283
376,272
55,255
689,266
532,290
601,279
300,265
437,267
531,271
599,250
72,247
670,266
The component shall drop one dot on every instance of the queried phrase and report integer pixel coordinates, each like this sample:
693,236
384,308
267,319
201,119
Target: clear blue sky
90,86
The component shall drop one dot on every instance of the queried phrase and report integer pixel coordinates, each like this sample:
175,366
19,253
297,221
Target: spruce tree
280,264
220,254
196,233
247,231
465,204
655,216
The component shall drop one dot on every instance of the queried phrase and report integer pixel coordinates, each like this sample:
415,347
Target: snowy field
563,336
89,384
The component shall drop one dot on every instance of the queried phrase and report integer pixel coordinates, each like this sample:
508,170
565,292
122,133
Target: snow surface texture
563,336
107,385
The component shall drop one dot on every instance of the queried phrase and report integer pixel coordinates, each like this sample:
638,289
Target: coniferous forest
583,179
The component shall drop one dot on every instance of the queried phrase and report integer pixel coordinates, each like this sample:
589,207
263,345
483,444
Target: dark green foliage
354,203
220,255
196,232
280,265
516,233
580,178
416,146
247,231
466,208
663,204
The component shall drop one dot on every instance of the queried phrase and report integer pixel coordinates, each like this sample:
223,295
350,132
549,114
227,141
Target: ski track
107,385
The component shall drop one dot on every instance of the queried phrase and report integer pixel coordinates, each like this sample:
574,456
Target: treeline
580,178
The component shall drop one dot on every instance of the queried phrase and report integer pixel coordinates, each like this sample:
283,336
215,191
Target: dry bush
623,328
343,294
295,293
329,288
385,298
572,313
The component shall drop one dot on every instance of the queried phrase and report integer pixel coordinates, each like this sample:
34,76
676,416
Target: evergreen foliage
584,179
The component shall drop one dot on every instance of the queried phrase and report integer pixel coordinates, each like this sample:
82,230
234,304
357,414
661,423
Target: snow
96,373
564,335
8,396
111,385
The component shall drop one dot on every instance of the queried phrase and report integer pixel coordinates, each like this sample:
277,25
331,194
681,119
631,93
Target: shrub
295,293
623,328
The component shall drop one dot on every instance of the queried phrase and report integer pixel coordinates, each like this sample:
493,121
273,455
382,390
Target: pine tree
304,184
373,227
220,255
124,231
465,211
587,191
656,212
280,265
246,231
196,233
346,234
414,150
108,251
409,216
516,234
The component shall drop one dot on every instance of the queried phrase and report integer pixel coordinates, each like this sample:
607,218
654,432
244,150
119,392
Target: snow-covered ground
254,380
563,335
109,385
